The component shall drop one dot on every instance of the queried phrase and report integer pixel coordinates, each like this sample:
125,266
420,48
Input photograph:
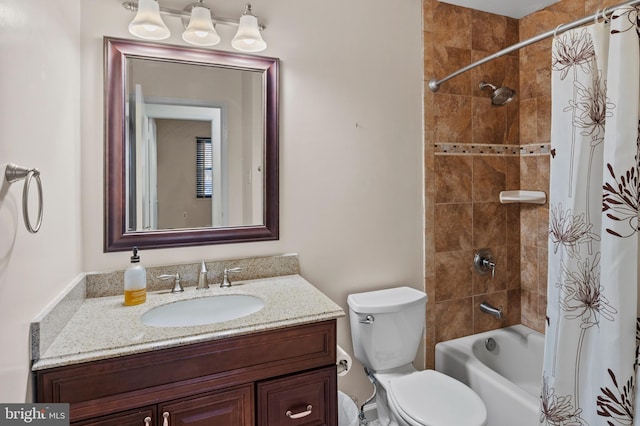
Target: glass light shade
248,37
147,23
200,30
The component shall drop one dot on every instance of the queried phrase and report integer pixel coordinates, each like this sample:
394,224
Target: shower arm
434,84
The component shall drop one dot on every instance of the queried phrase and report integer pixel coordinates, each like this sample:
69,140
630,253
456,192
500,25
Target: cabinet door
232,407
307,399
141,417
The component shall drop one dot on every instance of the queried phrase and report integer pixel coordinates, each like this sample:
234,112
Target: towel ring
14,173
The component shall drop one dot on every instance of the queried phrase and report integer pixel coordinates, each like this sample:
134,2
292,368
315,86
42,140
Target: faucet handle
484,263
177,286
225,276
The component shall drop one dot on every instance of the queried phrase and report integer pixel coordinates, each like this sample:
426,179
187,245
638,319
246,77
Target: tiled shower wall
472,152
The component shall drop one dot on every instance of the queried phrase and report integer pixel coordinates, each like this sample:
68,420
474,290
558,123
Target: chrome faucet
491,310
202,278
225,276
177,286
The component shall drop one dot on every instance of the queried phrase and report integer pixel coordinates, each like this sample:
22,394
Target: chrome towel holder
14,173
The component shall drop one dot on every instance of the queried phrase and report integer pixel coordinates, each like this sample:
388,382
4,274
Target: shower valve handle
484,263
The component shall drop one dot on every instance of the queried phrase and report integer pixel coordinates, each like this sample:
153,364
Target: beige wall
350,144
39,127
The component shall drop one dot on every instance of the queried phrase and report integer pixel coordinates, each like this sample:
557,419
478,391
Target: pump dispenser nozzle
135,258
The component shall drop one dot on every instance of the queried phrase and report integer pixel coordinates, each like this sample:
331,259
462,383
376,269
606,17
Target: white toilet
386,329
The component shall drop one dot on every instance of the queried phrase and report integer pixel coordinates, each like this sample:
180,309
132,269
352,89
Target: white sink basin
202,311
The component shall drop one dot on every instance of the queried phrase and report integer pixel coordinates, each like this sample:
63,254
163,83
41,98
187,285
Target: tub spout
491,310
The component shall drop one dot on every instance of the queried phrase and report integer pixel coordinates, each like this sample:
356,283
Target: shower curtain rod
434,84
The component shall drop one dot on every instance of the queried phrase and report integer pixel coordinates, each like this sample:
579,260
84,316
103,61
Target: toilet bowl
386,329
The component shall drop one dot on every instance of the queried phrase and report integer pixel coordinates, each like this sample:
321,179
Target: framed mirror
191,146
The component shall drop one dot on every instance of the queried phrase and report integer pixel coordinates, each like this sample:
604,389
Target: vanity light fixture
200,30
248,37
148,23
199,23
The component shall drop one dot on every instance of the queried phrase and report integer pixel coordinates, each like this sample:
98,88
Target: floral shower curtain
590,362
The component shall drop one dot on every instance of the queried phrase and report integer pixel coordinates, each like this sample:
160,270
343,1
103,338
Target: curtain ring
597,15
25,201
604,15
555,32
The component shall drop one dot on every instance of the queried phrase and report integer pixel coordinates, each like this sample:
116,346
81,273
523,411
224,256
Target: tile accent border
486,149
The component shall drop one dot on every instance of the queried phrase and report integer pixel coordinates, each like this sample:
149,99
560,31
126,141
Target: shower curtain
590,363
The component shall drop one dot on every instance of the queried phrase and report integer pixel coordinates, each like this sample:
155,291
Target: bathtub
508,379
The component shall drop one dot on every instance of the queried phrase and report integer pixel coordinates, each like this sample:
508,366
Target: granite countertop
104,328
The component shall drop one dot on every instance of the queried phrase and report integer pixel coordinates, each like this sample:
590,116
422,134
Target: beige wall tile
452,115
452,25
448,60
454,271
489,177
529,308
453,178
528,121
489,224
513,306
489,122
513,266
488,31
529,268
454,319
454,225
513,223
529,172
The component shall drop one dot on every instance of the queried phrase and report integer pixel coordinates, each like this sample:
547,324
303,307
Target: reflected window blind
204,168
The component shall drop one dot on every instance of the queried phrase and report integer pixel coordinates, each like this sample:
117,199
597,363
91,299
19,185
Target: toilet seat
430,398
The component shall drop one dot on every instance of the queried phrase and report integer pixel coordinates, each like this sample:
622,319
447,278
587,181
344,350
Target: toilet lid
431,398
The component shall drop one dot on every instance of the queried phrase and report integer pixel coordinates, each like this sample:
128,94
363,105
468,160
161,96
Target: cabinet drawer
232,407
128,418
304,399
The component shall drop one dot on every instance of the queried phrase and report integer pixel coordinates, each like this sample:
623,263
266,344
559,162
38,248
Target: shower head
501,95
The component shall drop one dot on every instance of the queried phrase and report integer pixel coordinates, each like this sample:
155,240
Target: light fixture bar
133,7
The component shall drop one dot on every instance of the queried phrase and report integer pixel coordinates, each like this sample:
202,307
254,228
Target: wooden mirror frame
117,238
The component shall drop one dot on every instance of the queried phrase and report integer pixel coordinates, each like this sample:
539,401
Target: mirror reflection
191,146
196,150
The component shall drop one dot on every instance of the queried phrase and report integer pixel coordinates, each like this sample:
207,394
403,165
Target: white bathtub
508,379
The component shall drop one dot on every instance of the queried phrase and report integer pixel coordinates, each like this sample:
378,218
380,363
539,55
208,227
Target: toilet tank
391,336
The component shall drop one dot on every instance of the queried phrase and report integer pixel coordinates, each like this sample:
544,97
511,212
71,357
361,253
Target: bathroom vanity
273,367
277,377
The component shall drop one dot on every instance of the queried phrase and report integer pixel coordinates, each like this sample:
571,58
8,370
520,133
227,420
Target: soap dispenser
135,281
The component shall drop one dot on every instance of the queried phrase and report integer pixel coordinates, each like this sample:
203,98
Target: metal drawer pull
166,419
299,415
147,421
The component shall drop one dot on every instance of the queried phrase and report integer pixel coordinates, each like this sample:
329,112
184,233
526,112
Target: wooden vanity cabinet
301,399
276,378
